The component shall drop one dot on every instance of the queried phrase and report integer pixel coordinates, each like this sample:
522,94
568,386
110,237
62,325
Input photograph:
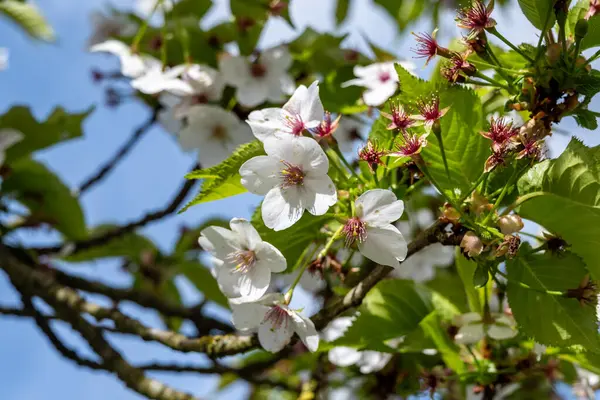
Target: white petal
378,207
247,234
344,356
247,315
219,241
282,208
501,332
260,174
230,280
294,104
384,245
270,256
468,318
336,328
132,65
291,149
266,123
378,95
252,93
254,284
274,338
305,329
277,60
469,334
313,156
235,70
319,194
372,361
311,107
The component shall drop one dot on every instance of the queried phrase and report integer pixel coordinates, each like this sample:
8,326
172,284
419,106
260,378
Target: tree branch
75,247
119,155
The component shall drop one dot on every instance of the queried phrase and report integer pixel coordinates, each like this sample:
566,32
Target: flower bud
509,224
450,214
471,244
553,53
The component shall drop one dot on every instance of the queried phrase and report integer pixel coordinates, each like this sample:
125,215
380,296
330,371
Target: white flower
132,65
107,26
378,239
293,177
368,361
144,7
215,132
473,329
166,116
246,262
3,58
156,80
276,323
379,79
347,133
264,79
303,111
8,137
420,267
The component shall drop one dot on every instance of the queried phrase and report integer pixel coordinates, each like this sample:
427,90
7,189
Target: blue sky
43,76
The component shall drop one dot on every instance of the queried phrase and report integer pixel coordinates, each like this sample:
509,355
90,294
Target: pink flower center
277,316
384,76
219,133
355,230
295,124
200,99
258,70
412,145
291,175
244,260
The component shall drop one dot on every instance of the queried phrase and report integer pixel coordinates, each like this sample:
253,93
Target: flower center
219,133
244,260
277,316
295,124
291,175
384,76
355,230
200,99
258,70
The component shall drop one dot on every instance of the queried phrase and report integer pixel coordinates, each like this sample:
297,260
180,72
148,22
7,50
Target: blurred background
45,75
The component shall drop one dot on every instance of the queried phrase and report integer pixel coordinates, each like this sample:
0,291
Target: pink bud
471,244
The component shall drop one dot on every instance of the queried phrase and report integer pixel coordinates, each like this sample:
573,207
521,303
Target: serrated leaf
588,84
59,126
48,199
537,12
586,119
395,307
28,17
466,270
201,277
592,38
132,246
568,201
223,180
550,319
292,241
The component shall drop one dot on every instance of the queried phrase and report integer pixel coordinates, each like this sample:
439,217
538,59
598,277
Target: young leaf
576,13
201,277
567,200
28,17
449,351
551,319
466,271
592,38
394,307
538,11
586,119
341,11
223,180
59,126
49,200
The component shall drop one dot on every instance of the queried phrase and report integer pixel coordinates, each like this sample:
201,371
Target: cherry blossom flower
3,58
156,80
303,111
593,10
265,78
8,137
471,244
400,120
500,132
473,328
371,154
246,262
293,177
476,17
428,47
430,112
411,146
275,322
108,26
372,228
132,65
166,116
215,132
144,7
510,224
379,79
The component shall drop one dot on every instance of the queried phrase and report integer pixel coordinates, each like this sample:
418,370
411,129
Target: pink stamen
355,230
277,316
244,260
291,175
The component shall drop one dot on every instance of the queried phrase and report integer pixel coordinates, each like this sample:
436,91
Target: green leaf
321,51
449,285
466,271
341,11
537,12
567,200
592,38
576,13
587,360
59,126
250,20
190,8
550,319
49,200
292,241
132,246
449,351
28,17
223,180
404,12
481,276
395,307
588,84
586,119
202,279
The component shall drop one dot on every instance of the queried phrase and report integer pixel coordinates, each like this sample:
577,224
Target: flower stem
339,153
299,262
473,188
333,161
495,32
142,30
491,80
522,200
510,182
438,135
540,49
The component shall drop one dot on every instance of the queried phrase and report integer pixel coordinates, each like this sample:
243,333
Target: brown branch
119,155
65,301
75,247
